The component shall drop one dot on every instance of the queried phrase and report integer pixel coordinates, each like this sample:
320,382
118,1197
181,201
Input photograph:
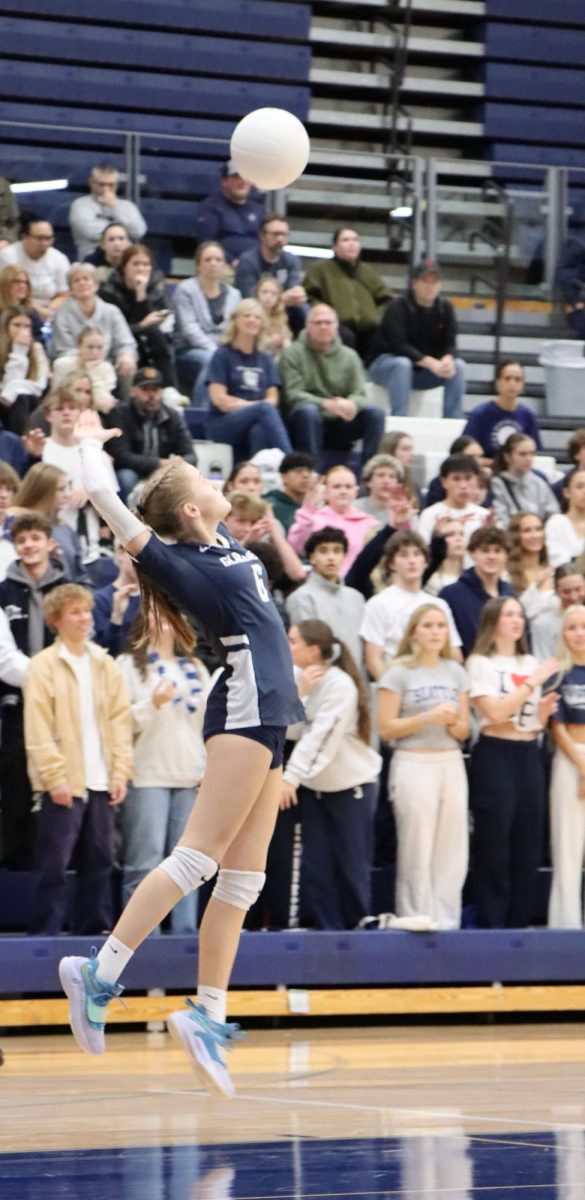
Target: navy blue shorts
271,736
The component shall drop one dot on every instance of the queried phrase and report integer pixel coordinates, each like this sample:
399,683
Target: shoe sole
72,985
201,1062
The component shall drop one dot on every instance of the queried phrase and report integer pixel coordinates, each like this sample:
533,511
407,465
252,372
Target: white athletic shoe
204,1040
88,1001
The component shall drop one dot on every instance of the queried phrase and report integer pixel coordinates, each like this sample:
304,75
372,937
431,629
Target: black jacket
114,291
145,440
411,331
466,599
18,594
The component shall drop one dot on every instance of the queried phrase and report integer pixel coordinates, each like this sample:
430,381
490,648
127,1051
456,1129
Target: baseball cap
229,168
148,377
427,267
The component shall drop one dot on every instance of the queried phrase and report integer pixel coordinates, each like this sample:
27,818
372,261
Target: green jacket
283,506
354,290
310,376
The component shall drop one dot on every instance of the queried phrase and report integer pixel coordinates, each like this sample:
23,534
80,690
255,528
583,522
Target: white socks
214,1001
112,959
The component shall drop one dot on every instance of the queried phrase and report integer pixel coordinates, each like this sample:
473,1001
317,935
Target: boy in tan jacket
78,736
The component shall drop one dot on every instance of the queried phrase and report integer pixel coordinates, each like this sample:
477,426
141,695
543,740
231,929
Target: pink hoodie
355,525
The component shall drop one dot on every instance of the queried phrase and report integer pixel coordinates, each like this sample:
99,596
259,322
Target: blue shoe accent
213,1033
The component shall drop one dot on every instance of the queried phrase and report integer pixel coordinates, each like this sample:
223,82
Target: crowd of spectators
438,635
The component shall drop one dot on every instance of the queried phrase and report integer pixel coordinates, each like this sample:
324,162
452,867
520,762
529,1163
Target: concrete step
376,43
510,344
379,122
381,81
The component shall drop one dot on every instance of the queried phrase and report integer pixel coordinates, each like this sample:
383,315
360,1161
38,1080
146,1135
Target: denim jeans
399,375
311,432
191,370
153,820
259,426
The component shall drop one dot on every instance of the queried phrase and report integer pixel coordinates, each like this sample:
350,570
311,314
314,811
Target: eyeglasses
41,237
22,280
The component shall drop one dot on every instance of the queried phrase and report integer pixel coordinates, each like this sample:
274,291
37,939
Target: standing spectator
423,709
297,476
352,288
336,500
90,215
529,571
138,289
401,446
243,385
387,500
450,568
24,370
415,345
151,432
268,292
79,744
386,615
231,217
9,214
116,606
335,770
113,242
16,292
269,257
458,473
202,306
324,596
565,532
575,455
167,690
545,629
45,491
492,423
483,581
507,770
84,307
516,486
28,580
325,391
89,357
567,791
46,267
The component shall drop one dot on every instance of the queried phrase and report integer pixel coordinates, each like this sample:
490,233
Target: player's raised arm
127,528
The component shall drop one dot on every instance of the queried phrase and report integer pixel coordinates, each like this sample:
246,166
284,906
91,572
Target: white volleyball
270,148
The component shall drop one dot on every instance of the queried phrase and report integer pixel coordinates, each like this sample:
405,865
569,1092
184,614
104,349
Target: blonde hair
407,654
241,309
564,656
246,504
485,644
276,320
7,277
35,356
39,486
67,593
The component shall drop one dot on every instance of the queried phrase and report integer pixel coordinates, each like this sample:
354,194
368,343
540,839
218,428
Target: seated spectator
297,476
16,292
46,267
483,581
386,615
116,606
113,242
325,391
570,282
423,710
243,385
387,500
450,533
251,519
565,532
24,370
516,486
167,690
152,432
507,768
202,306
76,384
324,596
415,345
90,358
90,215
28,579
528,566
458,472
269,294
45,491
84,308
461,445
9,214
352,288
269,258
492,423
244,477
545,629
401,447
78,731
568,777
332,504
332,774
139,291
231,216
576,456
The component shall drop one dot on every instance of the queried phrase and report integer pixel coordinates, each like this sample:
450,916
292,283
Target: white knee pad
188,868
239,888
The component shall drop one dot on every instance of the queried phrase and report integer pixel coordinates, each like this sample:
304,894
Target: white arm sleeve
97,482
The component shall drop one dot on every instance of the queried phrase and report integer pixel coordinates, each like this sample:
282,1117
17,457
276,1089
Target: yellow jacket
52,726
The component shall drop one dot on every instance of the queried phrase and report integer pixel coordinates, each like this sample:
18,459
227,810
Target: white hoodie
329,755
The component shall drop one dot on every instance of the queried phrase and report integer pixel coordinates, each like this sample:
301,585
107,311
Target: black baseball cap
427,267
147,377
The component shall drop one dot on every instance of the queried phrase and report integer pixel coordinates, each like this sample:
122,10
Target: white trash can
564,371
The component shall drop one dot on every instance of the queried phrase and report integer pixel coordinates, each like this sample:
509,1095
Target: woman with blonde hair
89,358
44,490
201,306
277,335
16,292
567,789
423,710
243,383
24,370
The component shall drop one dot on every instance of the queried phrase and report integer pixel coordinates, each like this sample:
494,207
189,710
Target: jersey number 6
263,593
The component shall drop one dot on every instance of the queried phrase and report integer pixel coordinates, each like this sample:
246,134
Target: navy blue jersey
571,706
247,376
226,589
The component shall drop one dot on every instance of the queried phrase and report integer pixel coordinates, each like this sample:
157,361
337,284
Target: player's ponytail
335,652
160,507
